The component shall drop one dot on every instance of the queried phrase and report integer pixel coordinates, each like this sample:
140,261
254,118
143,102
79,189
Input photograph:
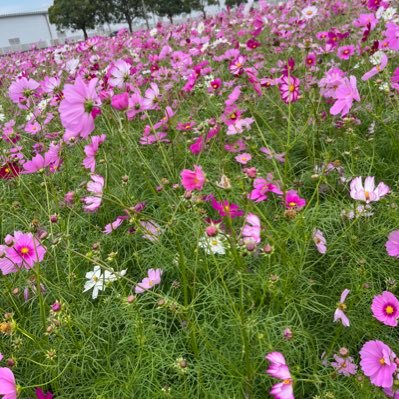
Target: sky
11,6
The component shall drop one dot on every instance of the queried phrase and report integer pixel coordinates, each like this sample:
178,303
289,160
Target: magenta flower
345,52
193,180
252,228
368,192
154,278
392,245
378,363
385,308
339,313
120,101
79,108
261,188
22,90
95,186
224,208
289,88
278,369
41,395
320,241
344,365
90,150
8,387
23,250
345,94
109,228
293,200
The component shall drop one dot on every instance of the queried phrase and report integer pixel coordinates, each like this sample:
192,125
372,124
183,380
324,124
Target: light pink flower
8,387
151,97
22,90
251,230
385,308
109,228
368,192
90,150
243,158
378,363
152,230
120,74
320,241
344,365
154,278
392,245
193,180
341,307
279,369
79,108
95,186
345,94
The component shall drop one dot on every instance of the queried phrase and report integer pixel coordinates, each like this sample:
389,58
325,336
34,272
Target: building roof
23,14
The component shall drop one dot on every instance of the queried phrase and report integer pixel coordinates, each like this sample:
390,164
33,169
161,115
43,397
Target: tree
128,10
170,8
200,5
232,3
74,14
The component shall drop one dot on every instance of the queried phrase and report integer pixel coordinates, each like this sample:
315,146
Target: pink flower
151,230
339,312
90,150
95,186
310,60
33,127
136,105
378,363
279,369
120,101
385,308
79,108
193,180
270,154
392,245
120,74
22,90
320,241
346,52
243,158
252,228
154,278
151,97
377,69
344,365
367,193
293,200
236,67
41,395
262,187
224,208
8,387
344,96
109,228
23,250
289,88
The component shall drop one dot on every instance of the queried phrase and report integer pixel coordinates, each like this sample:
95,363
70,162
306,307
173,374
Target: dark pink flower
293,200
224,208
385,308
289,89
193,180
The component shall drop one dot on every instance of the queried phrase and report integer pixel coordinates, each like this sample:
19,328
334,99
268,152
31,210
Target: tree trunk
85,33
170,18
203,12
129,22
146,21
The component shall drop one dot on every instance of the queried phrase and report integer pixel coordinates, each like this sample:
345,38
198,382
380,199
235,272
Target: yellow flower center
291,204
389,309
24,250
382,361
7,170
291,88
287,382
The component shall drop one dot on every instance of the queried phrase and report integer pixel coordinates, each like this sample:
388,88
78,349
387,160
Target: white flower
309,12
153,32
99,282
213,245
386,14
95,281
376,58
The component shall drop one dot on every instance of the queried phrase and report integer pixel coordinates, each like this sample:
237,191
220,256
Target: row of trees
86,14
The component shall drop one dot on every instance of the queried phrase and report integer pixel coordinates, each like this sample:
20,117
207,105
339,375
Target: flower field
205,210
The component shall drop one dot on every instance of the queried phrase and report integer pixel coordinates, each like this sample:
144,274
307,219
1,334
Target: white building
20,31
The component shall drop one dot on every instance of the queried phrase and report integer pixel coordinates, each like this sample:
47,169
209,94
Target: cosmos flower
22,90
8,387
79,108
309,12
289,88
90,150
193,180
368,192
392,245
385,308
344,365
95,186
278,369
344,95
378,363
293,200
153,278
339,313
320,241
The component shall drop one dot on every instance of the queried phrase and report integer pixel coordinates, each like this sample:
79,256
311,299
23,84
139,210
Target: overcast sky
10,6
